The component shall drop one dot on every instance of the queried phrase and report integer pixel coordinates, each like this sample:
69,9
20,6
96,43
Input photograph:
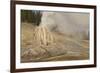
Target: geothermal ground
62,48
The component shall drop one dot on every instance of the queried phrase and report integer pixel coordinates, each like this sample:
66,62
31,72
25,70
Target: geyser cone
43,35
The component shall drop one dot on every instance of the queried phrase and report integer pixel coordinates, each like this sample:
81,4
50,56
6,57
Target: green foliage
31,16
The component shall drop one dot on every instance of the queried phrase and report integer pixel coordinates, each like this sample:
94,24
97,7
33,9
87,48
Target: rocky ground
64,48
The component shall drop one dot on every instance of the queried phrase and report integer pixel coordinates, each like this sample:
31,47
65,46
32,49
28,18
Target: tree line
31,16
